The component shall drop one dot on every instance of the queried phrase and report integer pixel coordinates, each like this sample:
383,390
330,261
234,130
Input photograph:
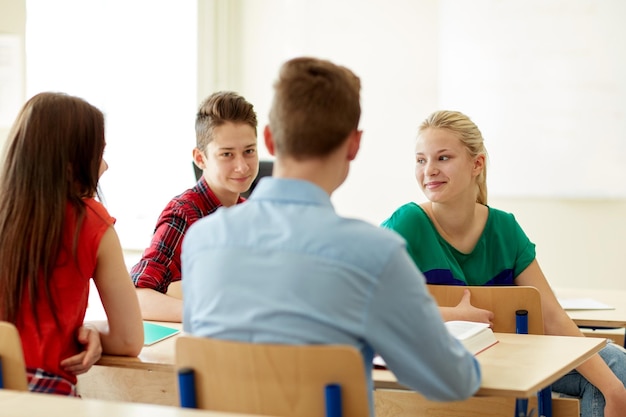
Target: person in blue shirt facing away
285,268
455,238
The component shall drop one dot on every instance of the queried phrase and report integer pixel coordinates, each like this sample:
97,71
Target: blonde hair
469,134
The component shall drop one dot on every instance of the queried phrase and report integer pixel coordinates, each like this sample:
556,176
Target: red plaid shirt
160,262
47,383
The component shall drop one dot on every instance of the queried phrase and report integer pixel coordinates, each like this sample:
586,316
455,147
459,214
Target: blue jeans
591,399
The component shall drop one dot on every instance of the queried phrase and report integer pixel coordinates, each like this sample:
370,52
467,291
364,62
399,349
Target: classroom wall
579,242
542,79
406,74
12,22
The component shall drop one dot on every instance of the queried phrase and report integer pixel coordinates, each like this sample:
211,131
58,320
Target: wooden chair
12,369
277,380
504,302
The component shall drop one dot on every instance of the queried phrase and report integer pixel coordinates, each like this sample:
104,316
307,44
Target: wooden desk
25,404
520,365
597,318
605,323
148,378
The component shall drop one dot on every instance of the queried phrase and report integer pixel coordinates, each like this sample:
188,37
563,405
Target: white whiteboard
546,83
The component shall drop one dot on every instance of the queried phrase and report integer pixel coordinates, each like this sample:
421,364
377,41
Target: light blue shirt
285,268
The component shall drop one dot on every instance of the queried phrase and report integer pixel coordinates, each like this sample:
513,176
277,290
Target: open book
475,336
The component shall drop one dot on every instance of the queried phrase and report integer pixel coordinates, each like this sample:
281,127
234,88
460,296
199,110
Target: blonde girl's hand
466,311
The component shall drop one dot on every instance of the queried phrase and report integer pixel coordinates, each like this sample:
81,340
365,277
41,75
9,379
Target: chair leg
332,395
187,388
1,375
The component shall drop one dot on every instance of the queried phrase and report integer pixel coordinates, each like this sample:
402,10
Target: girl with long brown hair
54,237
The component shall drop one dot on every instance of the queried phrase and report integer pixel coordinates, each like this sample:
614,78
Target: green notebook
153,333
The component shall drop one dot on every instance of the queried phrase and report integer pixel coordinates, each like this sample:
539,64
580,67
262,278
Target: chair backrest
265,170
13,369
503,301
277,380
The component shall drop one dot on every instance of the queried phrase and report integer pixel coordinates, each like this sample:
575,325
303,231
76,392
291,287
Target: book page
465,329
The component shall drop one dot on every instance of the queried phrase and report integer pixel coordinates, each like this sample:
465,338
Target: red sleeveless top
69,287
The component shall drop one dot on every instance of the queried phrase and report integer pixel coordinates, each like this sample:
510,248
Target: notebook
583,304
153,333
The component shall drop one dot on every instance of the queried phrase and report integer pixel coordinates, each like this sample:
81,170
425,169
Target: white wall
544,80
391,46
546,83
12,28
580,243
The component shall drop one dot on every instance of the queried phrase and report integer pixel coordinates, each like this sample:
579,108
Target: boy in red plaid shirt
226,152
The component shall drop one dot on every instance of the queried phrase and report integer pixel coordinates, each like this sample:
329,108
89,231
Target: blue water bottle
521,322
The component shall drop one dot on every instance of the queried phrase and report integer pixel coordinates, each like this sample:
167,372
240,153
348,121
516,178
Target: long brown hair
52,158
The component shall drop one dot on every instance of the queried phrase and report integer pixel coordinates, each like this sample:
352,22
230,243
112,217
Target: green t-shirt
502,252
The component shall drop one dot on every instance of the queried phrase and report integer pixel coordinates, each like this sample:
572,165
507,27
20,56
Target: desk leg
544,402
521,407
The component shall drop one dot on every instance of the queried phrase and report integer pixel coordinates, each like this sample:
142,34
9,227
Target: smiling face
230,162
444,168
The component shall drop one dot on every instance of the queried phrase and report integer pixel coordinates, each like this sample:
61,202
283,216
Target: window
136,61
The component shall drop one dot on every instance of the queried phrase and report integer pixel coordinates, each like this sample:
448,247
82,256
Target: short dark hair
316,105
219,108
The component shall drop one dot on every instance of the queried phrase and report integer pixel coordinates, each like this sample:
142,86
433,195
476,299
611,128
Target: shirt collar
204,189
290,190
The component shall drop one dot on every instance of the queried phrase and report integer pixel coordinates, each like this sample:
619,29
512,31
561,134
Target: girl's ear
479,164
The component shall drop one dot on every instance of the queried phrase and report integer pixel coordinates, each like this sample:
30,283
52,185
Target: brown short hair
316,105
219,108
